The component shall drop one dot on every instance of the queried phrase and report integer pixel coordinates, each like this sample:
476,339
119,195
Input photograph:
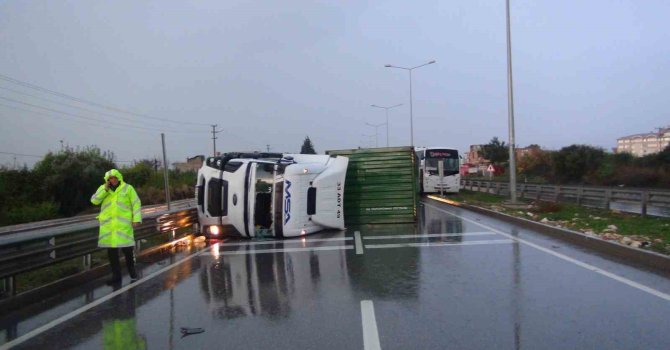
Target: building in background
475,157
643,144
191,164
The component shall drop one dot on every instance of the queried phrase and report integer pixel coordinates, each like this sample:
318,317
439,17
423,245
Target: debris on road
185,331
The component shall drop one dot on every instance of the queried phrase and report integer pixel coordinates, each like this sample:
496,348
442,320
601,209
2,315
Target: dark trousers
113,255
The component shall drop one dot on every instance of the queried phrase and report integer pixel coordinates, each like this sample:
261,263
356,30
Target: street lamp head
431,62
388,66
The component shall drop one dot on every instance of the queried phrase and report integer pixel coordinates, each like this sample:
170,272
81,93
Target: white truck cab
271,195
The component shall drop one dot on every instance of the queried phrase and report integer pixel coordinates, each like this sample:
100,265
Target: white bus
429,178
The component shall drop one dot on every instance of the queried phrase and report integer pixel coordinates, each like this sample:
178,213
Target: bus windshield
448,157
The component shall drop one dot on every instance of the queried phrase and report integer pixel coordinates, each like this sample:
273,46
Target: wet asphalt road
457,280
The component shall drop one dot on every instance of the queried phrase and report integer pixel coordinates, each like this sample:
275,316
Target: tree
307,147
70,177
537,162
140,174
495,151
577,162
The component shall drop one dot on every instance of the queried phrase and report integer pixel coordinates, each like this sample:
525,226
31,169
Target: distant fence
641,201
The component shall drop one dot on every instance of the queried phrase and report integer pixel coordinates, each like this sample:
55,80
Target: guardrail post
86,262
580,192
174,235
644,200
9,286
488,187
498,188
52,243
522,190
557,194
138,245
608,199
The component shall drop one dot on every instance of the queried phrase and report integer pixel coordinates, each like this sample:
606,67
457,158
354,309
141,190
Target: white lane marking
283,250
370,334
566,258
438,244
431,235
79,311
287,241
359,243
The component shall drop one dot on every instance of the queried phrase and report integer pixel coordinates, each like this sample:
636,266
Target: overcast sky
274,72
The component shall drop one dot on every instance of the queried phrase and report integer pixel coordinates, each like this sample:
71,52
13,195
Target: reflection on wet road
456,280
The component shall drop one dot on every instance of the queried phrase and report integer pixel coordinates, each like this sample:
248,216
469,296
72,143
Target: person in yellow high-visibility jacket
121,210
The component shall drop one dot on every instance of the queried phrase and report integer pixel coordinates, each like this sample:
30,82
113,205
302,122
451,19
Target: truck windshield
263,193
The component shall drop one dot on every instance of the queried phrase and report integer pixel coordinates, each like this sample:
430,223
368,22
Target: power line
42,156
71,106
89,118
112,127
22,155
80,100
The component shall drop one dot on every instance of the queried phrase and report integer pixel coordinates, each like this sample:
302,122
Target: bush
537,163
19,214
633,176
547,207
70,177
576,163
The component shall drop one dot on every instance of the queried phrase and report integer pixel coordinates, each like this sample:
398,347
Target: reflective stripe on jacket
119,209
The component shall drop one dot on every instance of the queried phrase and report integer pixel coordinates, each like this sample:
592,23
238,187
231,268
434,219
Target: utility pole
268,148
214,132
165,174
61,145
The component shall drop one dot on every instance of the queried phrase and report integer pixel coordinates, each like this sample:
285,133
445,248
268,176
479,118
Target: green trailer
381,185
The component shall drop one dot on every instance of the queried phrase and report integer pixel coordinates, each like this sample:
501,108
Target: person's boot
132,271
133,276
113,281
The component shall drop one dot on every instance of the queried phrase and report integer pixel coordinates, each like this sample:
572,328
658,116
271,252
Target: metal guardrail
27,251
31,226
601,197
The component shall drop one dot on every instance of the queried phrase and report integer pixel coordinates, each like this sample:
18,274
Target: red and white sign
490,169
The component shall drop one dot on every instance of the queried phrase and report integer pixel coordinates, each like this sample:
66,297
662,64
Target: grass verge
651,233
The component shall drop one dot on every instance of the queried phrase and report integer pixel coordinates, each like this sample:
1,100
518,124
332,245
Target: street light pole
376,126
411,112
387,119
510,112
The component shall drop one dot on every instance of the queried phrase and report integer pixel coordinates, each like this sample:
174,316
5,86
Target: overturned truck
290,195
270,194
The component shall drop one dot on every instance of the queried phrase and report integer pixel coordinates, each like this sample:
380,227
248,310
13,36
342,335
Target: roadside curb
647,258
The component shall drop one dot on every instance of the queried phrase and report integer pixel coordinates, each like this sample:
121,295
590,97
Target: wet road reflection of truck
271,285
